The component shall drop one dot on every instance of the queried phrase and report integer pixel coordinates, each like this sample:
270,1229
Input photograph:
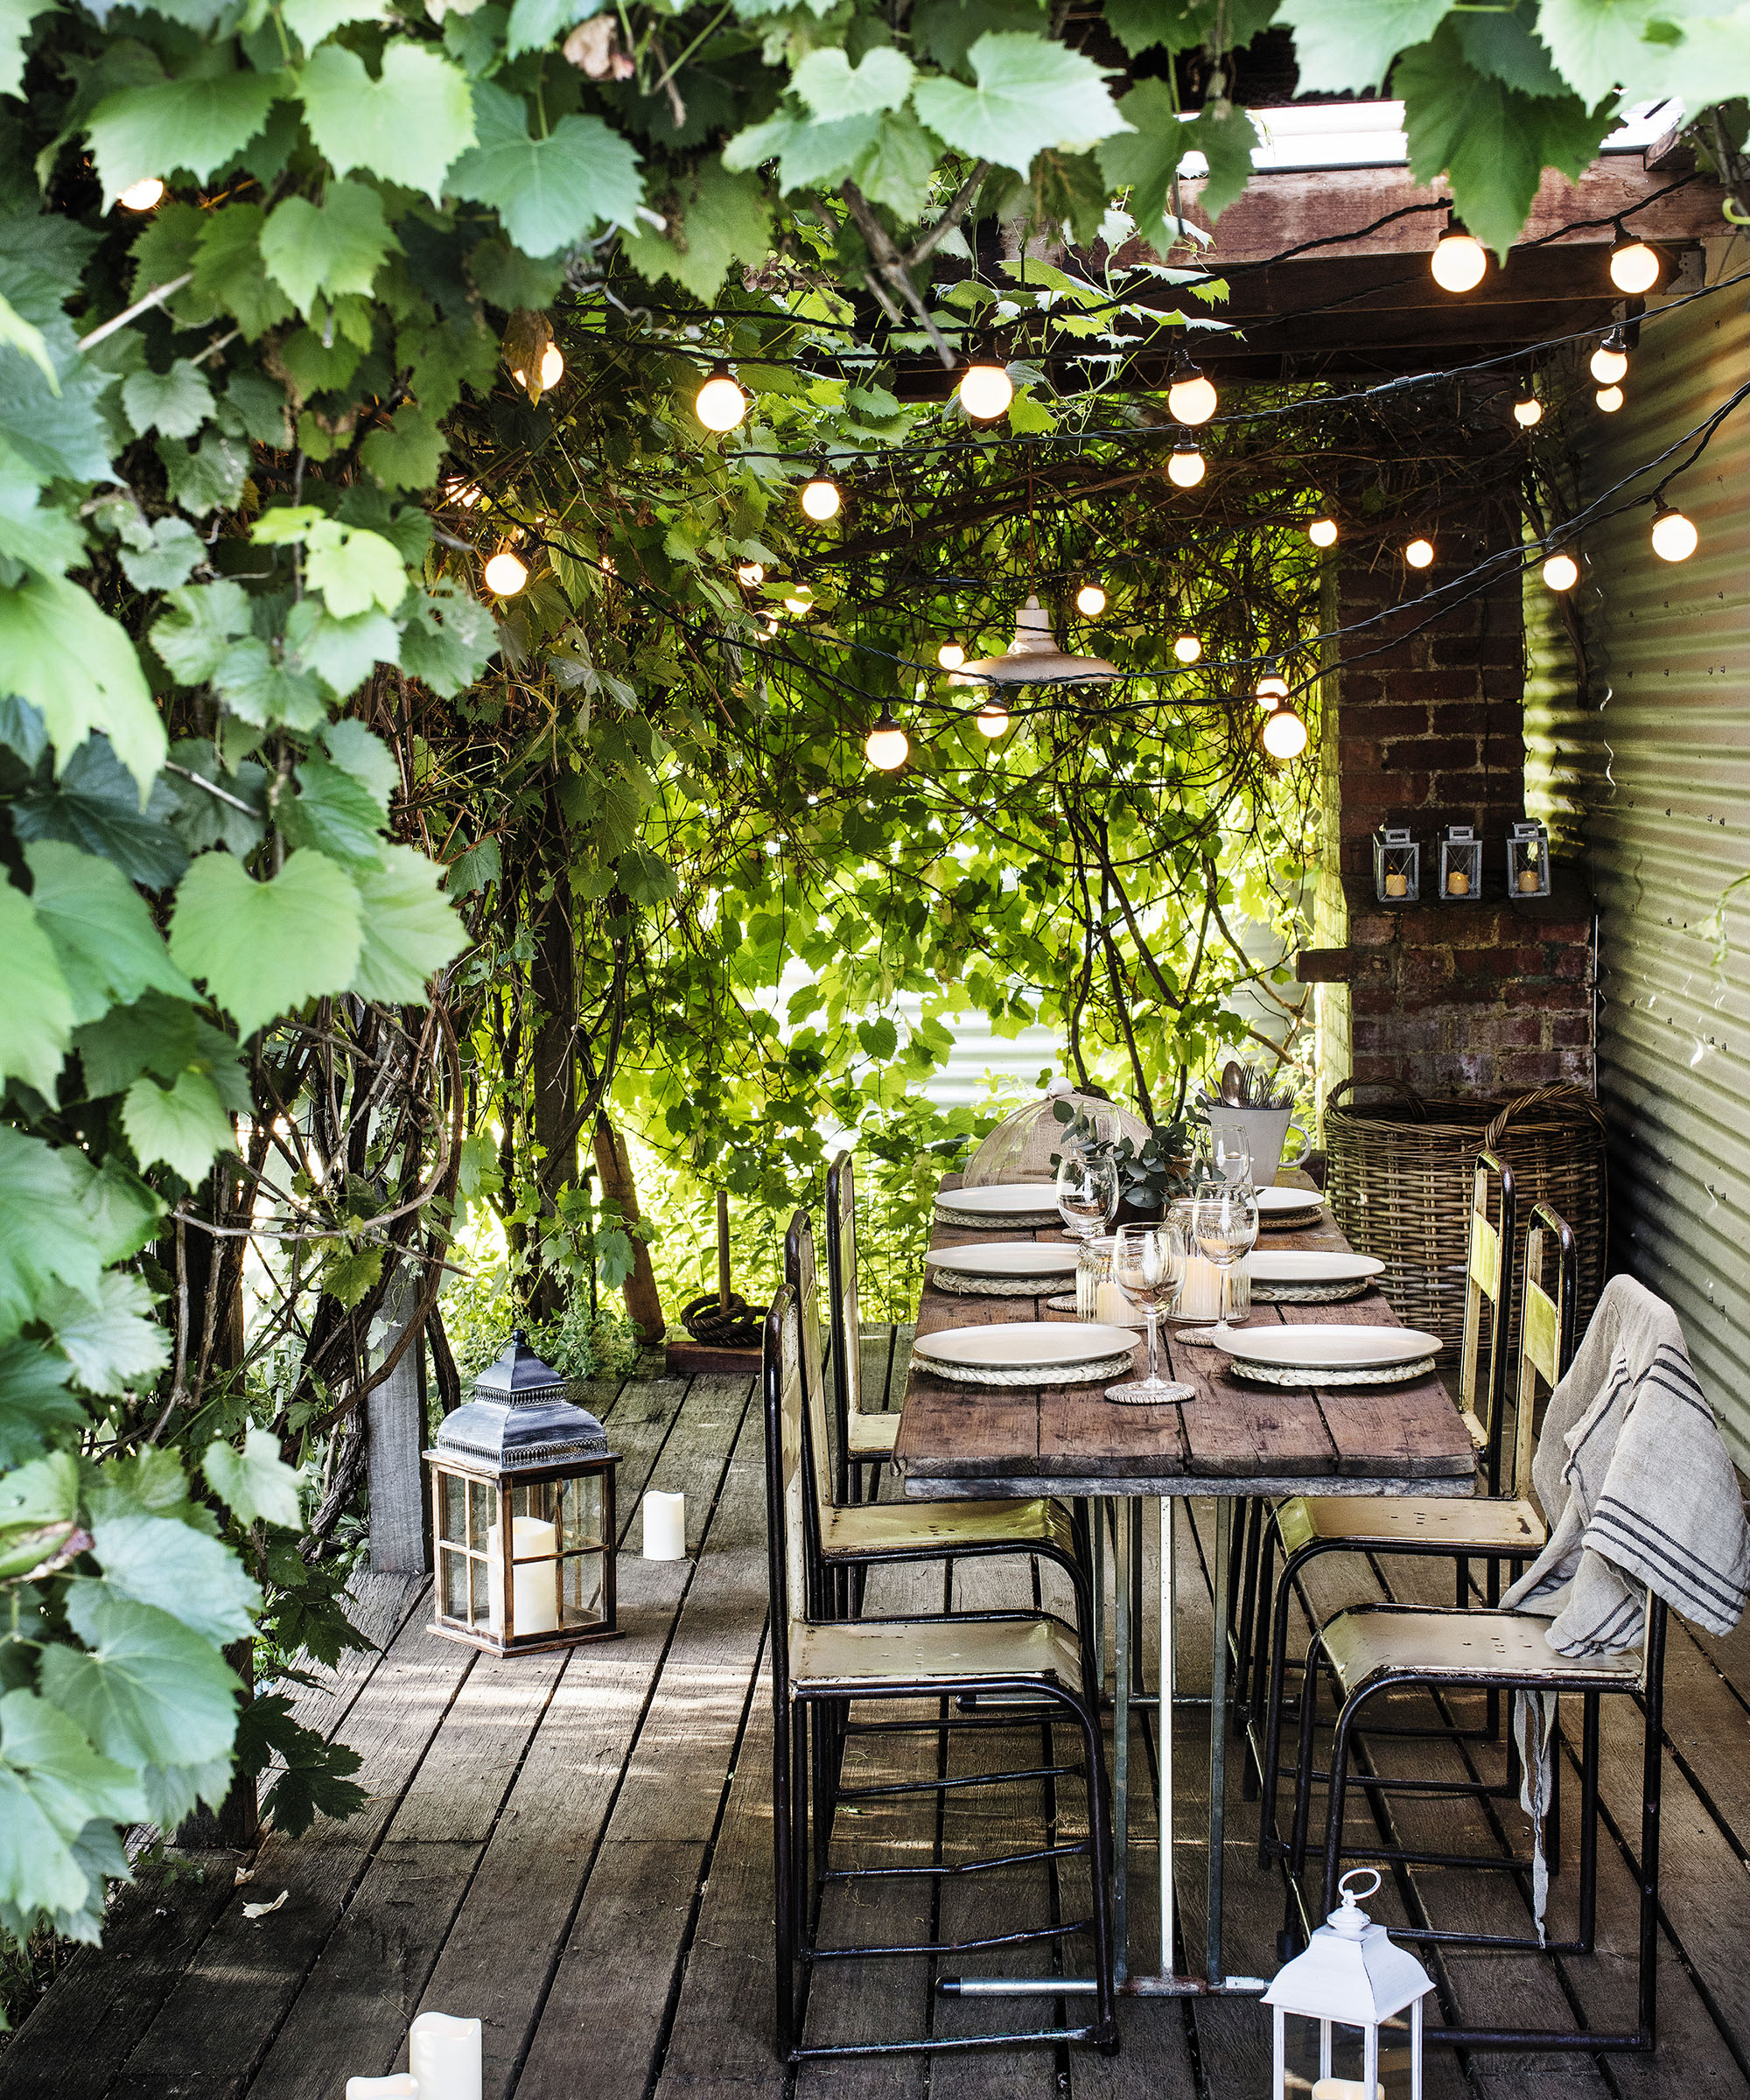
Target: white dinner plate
1036,1344
1328,1348
1299,1265
1002,1201
1277,1202
1007,1258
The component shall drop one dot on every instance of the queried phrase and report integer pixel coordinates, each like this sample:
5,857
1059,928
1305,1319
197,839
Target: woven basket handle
1407,1094
1565,1096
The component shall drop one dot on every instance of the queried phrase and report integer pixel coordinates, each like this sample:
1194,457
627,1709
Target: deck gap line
633,1741
656,1459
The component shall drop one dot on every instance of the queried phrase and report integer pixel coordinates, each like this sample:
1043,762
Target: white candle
1111,1307
399,2087
443,2054
534,1596
1201,1297
1343,2089
665,1526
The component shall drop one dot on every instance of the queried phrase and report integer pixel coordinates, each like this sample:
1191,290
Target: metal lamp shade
522,1514
1034,658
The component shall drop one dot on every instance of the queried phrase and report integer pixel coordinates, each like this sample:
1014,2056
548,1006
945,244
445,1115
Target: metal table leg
1218,1730
1121,1545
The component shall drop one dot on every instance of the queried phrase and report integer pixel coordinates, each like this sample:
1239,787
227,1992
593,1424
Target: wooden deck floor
577,1849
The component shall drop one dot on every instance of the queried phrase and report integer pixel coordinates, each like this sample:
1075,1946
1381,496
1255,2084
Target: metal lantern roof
1351,1972
520,1417
1034,658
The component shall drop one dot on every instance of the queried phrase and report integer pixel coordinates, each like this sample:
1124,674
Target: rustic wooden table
1234,1440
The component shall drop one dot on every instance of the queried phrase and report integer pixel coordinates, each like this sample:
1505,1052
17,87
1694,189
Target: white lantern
1347,1997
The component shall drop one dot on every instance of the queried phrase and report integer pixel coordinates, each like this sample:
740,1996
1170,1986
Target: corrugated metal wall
1645,773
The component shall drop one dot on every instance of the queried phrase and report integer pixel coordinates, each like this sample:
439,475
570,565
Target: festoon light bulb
1272,687
820,500
1634,266
1186,465
1561,572
1460,260
1090,601
720,404
1674,538
950,656
505,574
751,573
1284,734
985,392
140,196
1190,398
1610,361
1609,399
1419,554
552,367
1188,648
992,718
1528,410
886,747
1323,532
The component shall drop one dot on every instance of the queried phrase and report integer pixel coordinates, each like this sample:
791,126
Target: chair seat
1483,1526
871,1436
1508,1648
871,1655
881,1531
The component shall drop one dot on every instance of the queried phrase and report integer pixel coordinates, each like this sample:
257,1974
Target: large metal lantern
521,1450
1340,2029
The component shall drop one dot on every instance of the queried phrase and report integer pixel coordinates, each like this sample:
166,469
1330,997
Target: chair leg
1256,1516
1589,1754
1303,1770
1652,1791
783,1881
1339,1792
1268,1843
1100,1873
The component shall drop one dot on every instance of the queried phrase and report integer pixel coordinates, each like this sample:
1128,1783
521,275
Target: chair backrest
799,1273
847,1325
1546,1328
786,1484
1487,1286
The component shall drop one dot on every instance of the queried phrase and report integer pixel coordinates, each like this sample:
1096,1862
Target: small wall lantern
1528,860
1461,865
522,1515
1396,866
1340,1994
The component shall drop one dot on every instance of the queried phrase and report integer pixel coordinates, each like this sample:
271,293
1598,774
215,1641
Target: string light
1185,466
552,367
1674,538
720,404
1528,410
992,718
1272,688
1190,398
1419,554
1561,572
1459,259
1323,532
140,196
751,573
802,603
505,574
1609,399
1188,648
1634,266
1284,734
1090,600
887,748
1610,360
950,656
985,392
820,500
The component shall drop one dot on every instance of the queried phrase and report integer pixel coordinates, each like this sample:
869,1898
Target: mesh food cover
1020,1147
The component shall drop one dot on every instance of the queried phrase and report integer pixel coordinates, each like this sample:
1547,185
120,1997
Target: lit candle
535,1596
1201,1296
1458,883
1396,884
665,1526
1110,1306
1527,881
444,2056
400,2087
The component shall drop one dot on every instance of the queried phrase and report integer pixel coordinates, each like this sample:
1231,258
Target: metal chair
820,1665
863,1440
1495,1528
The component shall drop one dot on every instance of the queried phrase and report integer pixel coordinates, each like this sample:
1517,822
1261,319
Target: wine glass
1230,1152
1148,1265
1224,1224
1087,1192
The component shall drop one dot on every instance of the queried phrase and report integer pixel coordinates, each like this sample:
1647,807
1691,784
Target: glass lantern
1347,2012
1396,866
1528,860
1461,865
520,1450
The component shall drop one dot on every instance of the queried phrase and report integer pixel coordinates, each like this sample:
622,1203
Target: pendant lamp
1034,657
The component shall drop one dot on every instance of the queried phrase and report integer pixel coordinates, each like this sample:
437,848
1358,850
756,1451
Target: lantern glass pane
580,1514
453,1571
1325,2061
482,1513
480,1611
580,1592
452,1507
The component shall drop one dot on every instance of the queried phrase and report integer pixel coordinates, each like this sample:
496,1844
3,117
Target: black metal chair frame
841,1277
802,1715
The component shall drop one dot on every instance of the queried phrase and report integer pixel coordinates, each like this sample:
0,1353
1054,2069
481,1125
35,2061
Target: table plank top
1234,1439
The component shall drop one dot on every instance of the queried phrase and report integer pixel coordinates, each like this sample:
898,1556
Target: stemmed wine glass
1148,1264
1230,1152
1224,1225
1087,1192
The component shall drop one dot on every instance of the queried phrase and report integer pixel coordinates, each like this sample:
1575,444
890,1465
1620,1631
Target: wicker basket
1399,1183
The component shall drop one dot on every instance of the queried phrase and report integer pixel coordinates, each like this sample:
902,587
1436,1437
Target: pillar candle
534,1596
400,2087
443,2054
665,1526
1201,1297
1527,881
1396,884
1458,883
1344,2088
1111,1307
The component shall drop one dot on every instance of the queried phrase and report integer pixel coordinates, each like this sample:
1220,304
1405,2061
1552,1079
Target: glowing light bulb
1459,262
1527,412
1272,687
887,748
1610,360
1420,553
1284,734
985,392
1634,266
140,196
801,605
992,718
1090,600
1190,398
552,367
1561,572
1323,532
1188,648
820,501
1186,467
720,405
1609,399
950,656
1674,538
751,573
505,574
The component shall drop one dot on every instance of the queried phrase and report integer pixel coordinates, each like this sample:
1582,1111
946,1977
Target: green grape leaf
1225,135
409,929
201,819
718,219
536,23
200,123
73,1784
1031,93
35,1405
1504,47
356,750
550,192
41,537
1143,159
45,1235
1344,44
264,948
175,551
175,403
196,629
353,569
450,640
341,653
230,273
406,453
79,669
1183,24
330,248
36,1017
259,685
472,869
898,167
54,1786
408,125
44,1492
119,1212
149,1482
150,1690
17,333
255,1482
105,940
335,813
1600,45
95,805
114,1344
184,1125
195,1579
154,1034
350,1271
261,405
831,86
312,22
210,476
16,17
